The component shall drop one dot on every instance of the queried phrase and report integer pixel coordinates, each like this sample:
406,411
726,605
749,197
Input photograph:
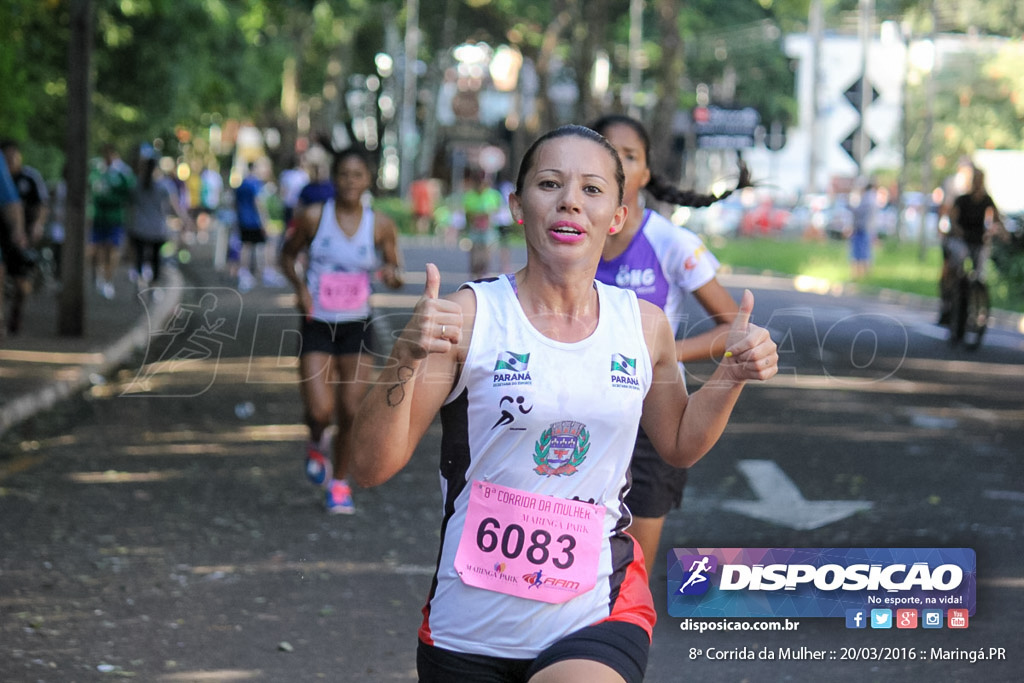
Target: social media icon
957,618
931,618
856,618
906,618
881,618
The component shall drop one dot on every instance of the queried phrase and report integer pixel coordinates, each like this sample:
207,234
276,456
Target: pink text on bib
344,291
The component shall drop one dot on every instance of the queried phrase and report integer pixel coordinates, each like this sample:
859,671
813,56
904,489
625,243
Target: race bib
344,291
529,545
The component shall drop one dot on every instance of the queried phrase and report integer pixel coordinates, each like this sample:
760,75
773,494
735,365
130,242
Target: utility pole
862,142
636,28
407,165
816,23
929,125
907,37
71,318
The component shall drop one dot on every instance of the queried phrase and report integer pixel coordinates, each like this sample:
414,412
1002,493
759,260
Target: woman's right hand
436,324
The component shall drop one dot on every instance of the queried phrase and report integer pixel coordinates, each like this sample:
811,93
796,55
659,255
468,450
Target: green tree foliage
978,104
33,64
738,46
162,65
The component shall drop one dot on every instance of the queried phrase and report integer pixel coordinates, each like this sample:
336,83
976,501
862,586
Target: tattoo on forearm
396,392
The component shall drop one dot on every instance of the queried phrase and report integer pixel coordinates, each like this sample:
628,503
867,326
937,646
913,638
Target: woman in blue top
662,263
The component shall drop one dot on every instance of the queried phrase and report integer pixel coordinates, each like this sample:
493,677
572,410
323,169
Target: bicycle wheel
958,311
976,314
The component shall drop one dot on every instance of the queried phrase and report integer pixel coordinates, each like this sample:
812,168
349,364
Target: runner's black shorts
252,235
619,645
657,486
335,339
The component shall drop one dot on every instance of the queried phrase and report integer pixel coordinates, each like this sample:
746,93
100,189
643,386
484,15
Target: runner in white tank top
340,268
341,239
523,416
521,562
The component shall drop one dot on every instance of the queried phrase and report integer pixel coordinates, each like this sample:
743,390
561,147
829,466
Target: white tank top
517,389
341,267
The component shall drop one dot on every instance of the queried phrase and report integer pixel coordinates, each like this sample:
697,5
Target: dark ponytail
666,192
659,188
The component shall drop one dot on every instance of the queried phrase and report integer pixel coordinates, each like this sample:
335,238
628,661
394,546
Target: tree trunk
71,321
664,161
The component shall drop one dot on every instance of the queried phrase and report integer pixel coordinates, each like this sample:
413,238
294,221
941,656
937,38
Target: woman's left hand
750,352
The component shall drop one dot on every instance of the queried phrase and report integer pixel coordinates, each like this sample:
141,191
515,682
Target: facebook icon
856,618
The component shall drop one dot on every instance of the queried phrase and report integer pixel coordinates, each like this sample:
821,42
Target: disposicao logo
819,582
696,579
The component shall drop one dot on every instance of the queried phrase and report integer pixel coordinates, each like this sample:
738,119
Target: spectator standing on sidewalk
506,226
330,257
252,227
481,203
152,201
320,188
561,596
56,228
211,185
663,263
12,232
35,204
112,182
35,196
864,205
290,184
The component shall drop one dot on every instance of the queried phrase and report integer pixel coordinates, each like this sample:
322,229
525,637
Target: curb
51,393
1003,319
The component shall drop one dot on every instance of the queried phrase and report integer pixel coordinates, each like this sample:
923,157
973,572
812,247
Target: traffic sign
853,94
850,144
719,128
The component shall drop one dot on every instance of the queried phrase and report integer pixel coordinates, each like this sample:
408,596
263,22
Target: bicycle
969,313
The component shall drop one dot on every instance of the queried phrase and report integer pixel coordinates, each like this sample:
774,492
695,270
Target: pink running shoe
339,498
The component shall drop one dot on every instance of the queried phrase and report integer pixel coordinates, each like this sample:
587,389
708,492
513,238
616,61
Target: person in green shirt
112,183
480,202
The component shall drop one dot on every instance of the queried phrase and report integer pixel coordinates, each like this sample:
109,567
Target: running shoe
246,281
318,464
339,498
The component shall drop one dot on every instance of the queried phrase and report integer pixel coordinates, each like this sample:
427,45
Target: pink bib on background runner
529,545
344,291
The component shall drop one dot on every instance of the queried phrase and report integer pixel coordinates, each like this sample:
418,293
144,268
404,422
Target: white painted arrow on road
780,502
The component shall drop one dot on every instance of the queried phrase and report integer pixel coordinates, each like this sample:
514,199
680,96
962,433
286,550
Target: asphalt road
160,527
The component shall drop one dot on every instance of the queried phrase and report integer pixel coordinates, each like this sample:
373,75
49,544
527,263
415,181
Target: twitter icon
881,618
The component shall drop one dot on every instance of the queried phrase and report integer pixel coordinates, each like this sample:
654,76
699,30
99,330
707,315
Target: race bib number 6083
529,545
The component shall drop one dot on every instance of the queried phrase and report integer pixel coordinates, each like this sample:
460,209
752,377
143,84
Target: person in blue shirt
252,227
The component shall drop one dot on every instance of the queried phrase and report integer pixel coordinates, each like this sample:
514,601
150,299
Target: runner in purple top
662,263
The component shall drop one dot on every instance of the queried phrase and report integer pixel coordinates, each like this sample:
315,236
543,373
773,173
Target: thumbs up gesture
436,324
750,352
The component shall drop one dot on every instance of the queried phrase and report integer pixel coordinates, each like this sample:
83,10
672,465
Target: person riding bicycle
973,218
